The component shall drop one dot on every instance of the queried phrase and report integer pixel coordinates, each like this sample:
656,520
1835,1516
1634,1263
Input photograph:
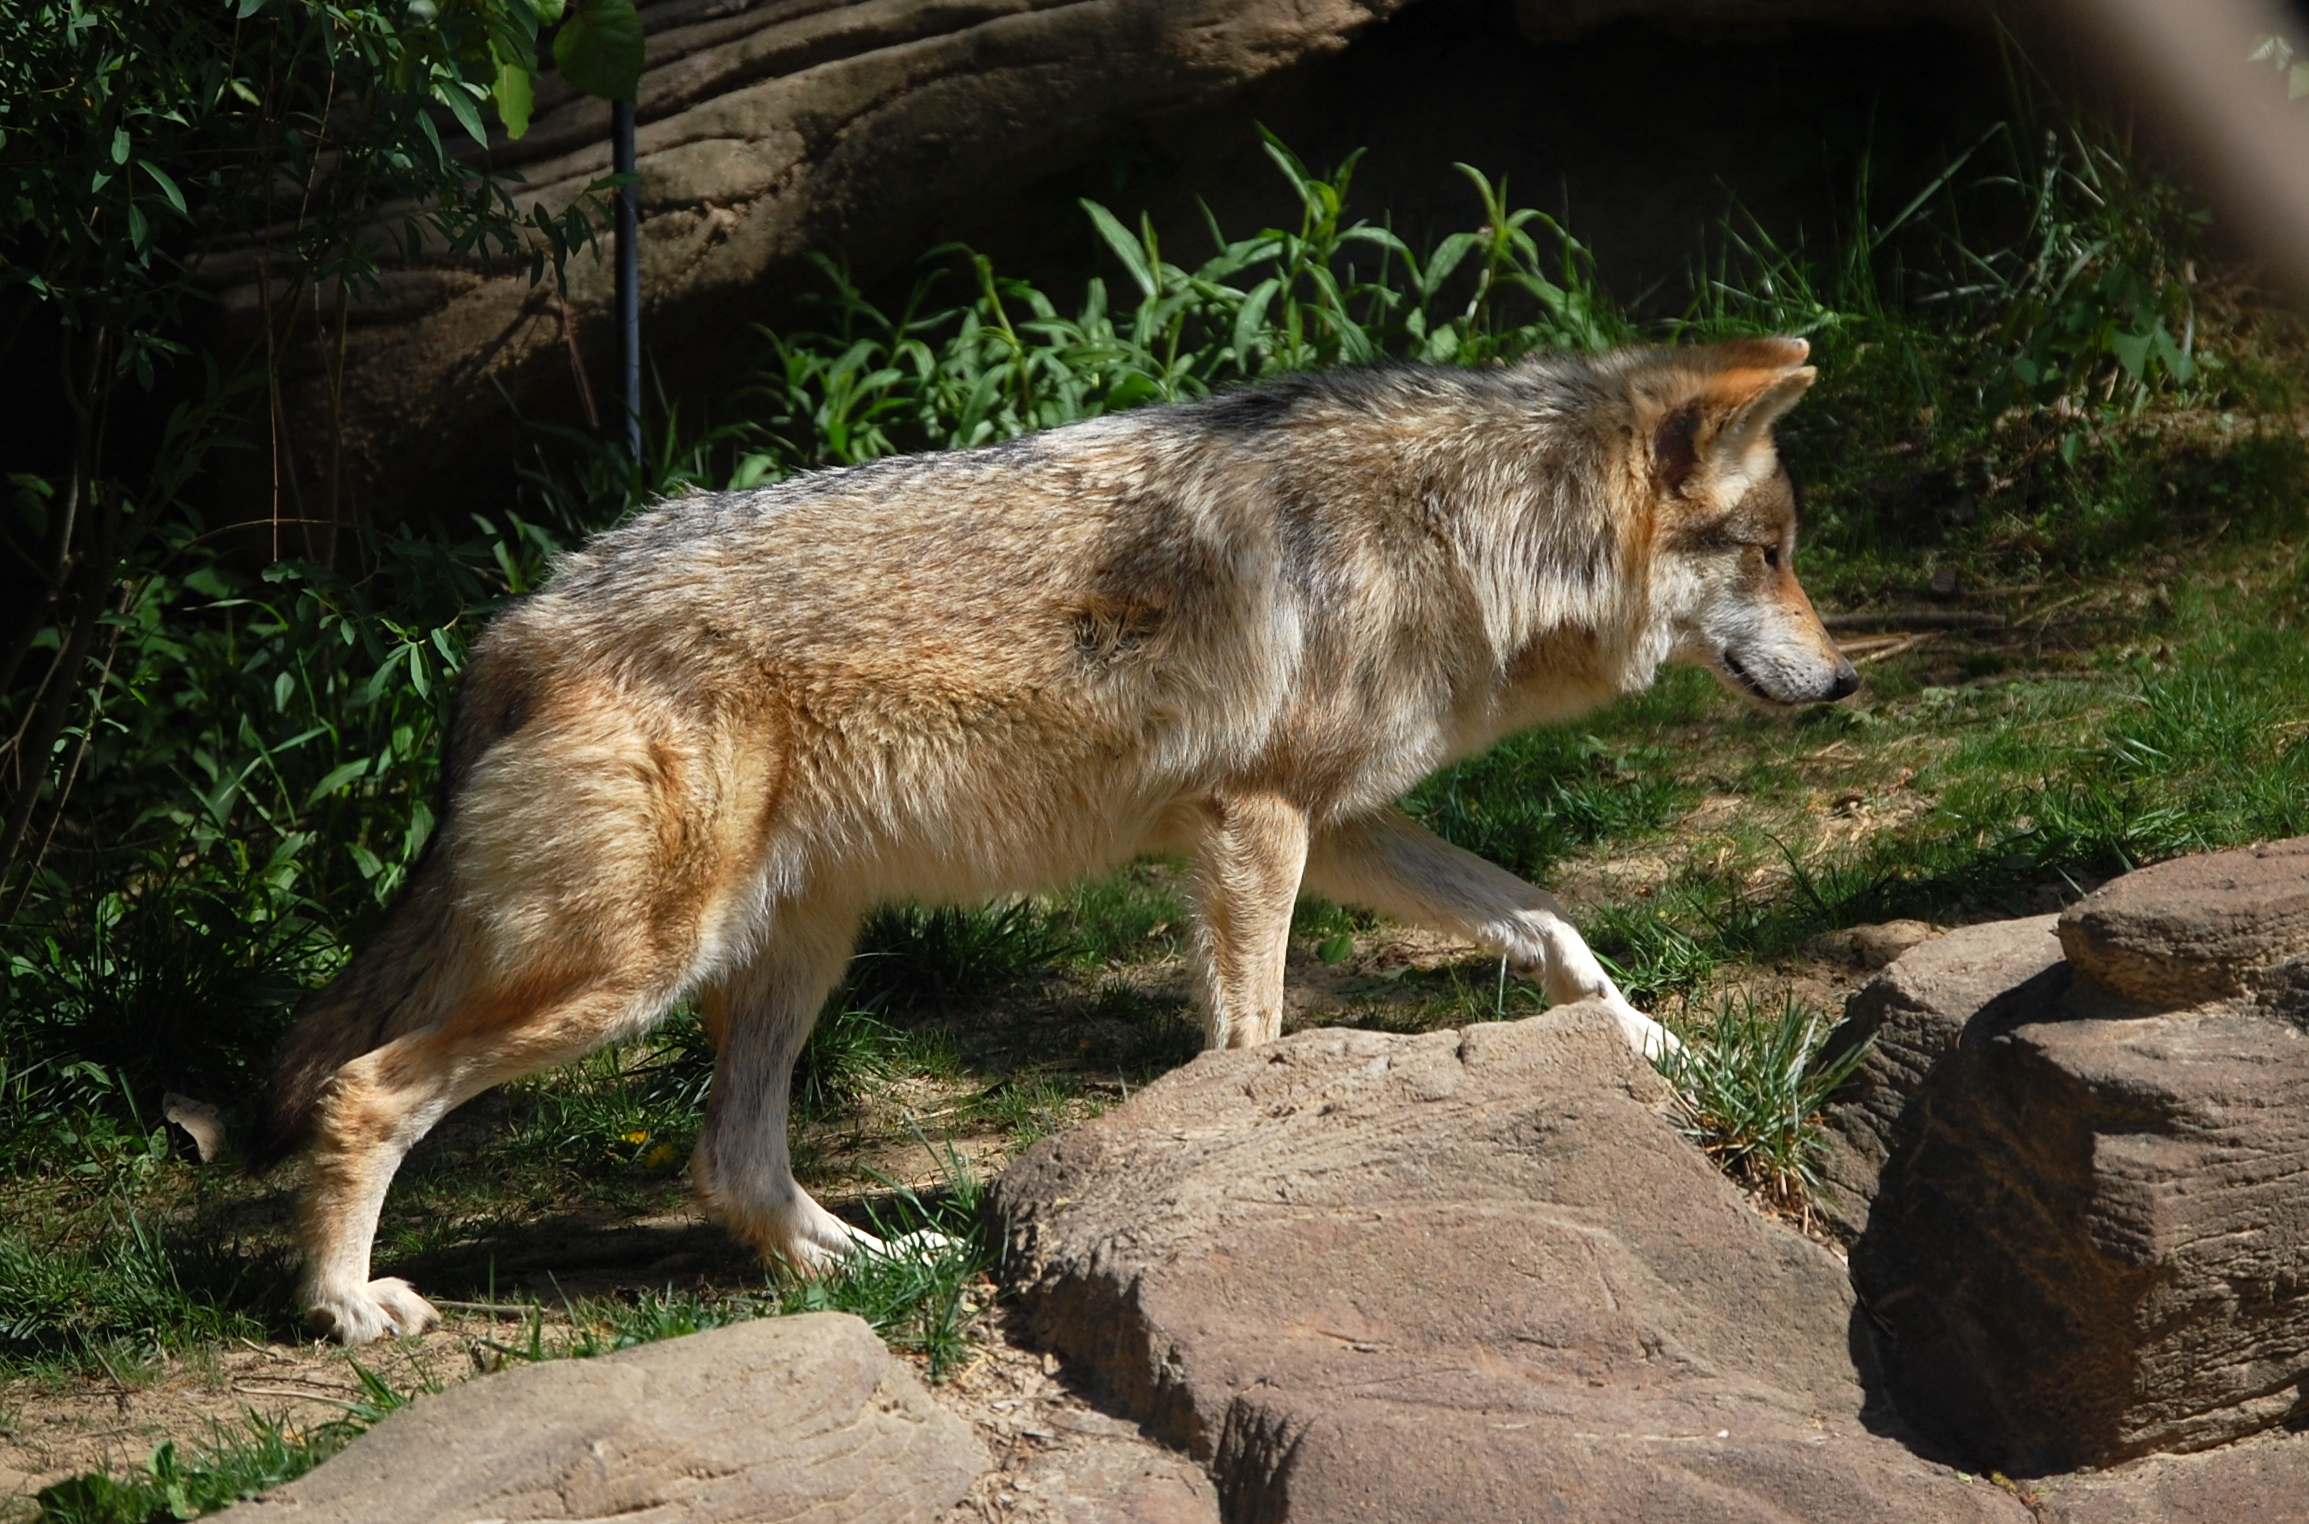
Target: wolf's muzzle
1842,682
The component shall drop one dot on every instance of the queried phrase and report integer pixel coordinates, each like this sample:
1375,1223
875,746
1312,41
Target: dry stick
1914,619
336,415
576,360
1909,644
33,746
502,1311
60,564
79,753
40,740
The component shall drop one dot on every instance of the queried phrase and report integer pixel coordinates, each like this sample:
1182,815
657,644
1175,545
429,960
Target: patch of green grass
1534,799
1029,1105
916,956
637,1104
920,1293
923,1293
1750,1090
108,1290
1136,913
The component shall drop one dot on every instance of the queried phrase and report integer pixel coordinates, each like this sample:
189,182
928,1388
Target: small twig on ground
1913,619
1906,643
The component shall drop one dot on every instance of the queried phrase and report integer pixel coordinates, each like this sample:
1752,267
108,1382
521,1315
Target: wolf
1235,629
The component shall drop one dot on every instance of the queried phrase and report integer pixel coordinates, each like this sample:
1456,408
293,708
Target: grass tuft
1751,1091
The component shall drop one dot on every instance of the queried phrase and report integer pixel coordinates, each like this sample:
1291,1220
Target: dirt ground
1048,1439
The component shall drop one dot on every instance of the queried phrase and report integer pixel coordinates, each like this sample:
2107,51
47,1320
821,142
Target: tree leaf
338,777
461,105
599,49
1126,247
1250,318
167,186
514,96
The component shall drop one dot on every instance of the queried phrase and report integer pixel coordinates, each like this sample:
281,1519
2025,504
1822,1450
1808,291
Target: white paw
362,1314
919,1244
1645,1035
814,1242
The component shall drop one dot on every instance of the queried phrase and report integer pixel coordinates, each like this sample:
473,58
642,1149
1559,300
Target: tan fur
1237,629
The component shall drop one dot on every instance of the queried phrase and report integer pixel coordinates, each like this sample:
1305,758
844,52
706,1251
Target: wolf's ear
1728,413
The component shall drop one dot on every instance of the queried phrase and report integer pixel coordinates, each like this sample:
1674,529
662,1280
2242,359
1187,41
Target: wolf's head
1723,522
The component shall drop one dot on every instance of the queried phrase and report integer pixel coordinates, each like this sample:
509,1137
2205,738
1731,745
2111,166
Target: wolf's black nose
1847,681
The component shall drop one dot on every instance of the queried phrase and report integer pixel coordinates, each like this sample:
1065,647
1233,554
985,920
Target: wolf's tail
394,985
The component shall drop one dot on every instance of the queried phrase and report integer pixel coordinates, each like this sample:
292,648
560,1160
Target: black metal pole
628,271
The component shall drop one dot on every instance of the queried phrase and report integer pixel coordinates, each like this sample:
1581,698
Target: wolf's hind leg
759,1017
1246,881
379,1105
1391,864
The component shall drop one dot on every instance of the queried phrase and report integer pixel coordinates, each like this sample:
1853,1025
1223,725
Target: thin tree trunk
81,394
36,751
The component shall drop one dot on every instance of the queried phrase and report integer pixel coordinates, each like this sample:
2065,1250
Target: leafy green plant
1007,360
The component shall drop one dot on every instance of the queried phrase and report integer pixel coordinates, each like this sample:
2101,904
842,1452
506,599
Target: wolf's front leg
759,1017
1391,864
1246,881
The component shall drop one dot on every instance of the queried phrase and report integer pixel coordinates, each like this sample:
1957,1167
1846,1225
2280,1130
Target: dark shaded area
1644,141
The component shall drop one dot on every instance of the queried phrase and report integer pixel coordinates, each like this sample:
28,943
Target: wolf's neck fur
1545,508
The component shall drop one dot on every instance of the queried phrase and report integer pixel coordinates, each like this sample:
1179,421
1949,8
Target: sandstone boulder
1913,1013
2082,1203
1468,1274
800,1418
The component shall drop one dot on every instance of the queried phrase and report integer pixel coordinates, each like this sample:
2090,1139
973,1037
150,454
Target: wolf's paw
812,1241
919,1244
365,1313
1645,1035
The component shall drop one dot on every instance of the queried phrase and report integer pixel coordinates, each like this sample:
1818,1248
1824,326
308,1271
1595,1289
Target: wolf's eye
1772,555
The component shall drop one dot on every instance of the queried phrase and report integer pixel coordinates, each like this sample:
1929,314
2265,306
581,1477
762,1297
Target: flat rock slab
1460,1275
797,1418
2196,928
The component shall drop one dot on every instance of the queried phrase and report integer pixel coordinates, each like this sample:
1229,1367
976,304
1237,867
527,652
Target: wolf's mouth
1740,674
